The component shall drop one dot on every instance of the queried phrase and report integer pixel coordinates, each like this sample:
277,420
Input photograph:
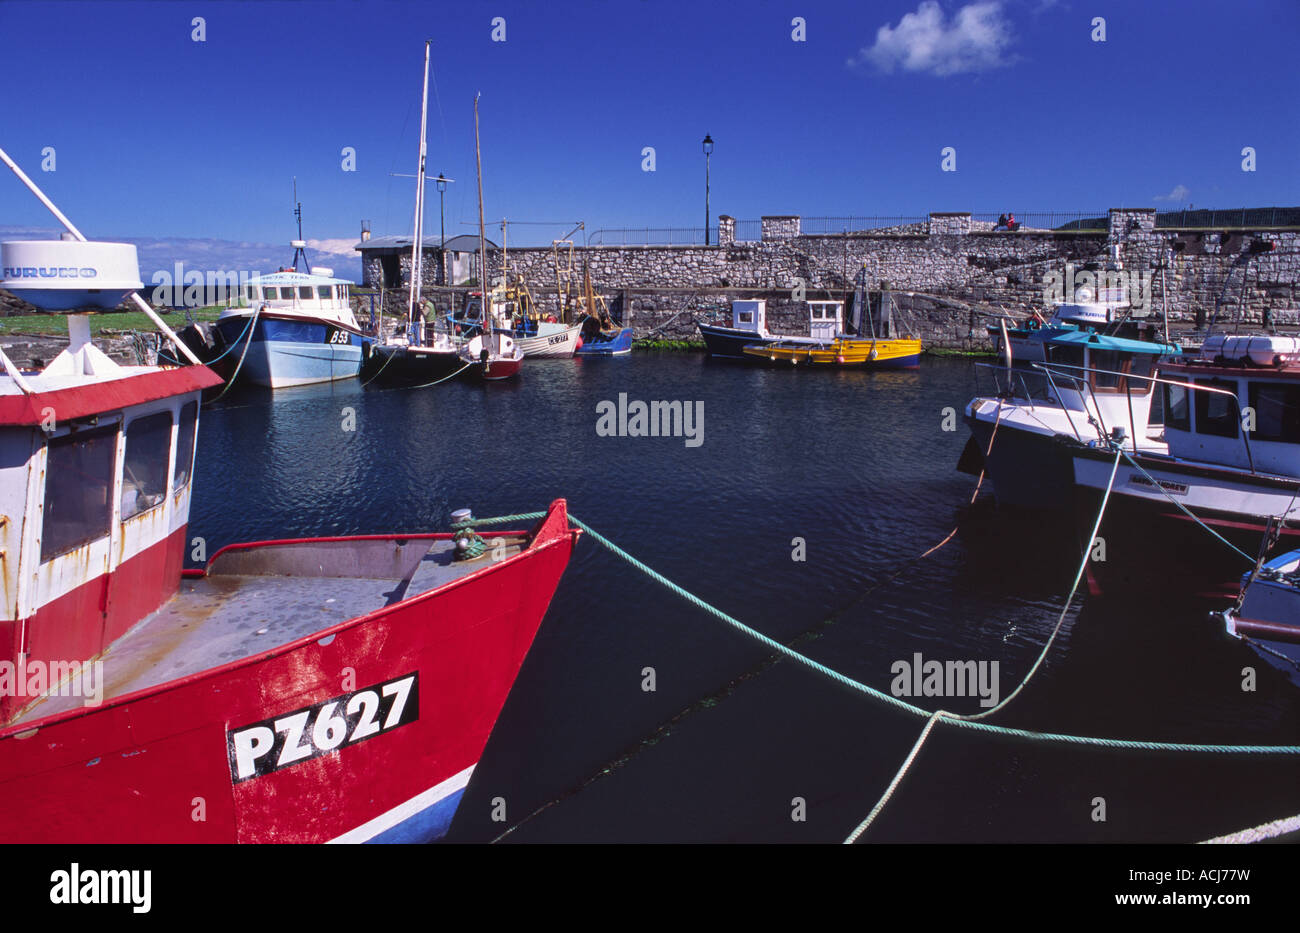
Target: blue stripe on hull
901,362
429,825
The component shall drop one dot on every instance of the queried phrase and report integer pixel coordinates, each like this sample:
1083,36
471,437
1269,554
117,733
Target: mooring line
1272,830
240,365
933,717
1156,483
888,699
1033,669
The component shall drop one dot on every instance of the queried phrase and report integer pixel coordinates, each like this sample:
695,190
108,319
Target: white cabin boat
296,328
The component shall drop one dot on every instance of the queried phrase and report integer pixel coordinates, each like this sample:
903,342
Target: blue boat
296,329
597,342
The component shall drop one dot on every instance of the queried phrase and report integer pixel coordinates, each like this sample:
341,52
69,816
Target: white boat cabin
96,461
1237,404
825,319
318,294
750,316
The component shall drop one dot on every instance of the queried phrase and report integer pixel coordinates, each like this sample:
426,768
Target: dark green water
858,466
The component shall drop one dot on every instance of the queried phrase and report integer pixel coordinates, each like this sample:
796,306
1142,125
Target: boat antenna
299,245
417,243
482,234
71,228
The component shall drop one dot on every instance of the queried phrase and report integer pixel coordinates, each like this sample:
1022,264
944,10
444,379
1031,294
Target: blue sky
158,136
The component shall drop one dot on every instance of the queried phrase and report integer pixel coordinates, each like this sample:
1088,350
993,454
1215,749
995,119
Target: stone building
386,260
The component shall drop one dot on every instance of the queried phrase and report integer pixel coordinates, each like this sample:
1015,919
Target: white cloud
1179,193
335,247
975,39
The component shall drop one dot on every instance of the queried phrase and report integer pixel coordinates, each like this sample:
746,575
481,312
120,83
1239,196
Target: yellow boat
898,353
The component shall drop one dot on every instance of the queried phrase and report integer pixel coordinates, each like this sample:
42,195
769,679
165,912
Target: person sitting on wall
1002,222
1012,223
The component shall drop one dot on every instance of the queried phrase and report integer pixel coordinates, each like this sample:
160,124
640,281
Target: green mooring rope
843,680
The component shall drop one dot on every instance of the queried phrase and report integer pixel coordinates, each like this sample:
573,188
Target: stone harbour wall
953,273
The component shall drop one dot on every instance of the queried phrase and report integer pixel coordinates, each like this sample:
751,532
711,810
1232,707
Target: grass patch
645,343
56,325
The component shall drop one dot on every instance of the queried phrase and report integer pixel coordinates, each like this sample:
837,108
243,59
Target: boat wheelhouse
1085,366
296,328
1232,425
310,690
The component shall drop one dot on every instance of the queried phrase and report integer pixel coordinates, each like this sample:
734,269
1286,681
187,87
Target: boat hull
410,367
172,763
1026,470
842,354
1149,538
285,352
615,343
561,345
727,343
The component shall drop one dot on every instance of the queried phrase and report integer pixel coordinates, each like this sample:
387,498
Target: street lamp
708,151
441,181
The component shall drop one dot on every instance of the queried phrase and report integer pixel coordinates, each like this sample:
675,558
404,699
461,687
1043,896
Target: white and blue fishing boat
296,328
291,327
1087,365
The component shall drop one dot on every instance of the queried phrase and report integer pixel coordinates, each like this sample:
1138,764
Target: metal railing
1237,217
1081,380
651,236
827,226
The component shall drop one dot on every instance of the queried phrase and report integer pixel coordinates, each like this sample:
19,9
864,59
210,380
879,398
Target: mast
417,247
482,234
299,245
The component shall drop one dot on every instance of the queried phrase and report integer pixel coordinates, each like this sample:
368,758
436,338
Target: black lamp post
708,151
442,227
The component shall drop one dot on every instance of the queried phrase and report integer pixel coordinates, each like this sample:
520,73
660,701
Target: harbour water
857,465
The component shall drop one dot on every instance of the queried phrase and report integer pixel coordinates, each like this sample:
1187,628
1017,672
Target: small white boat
551,341
1267,614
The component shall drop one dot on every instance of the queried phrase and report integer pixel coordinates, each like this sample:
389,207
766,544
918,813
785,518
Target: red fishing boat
324,689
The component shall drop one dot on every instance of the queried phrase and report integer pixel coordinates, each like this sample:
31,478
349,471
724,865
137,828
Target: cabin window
1066,355
1216,413
250,292
1178,412
144,473
324,291
1108,370
78,490
1277,411
185,444
747,317
304,292
1141,364
286,292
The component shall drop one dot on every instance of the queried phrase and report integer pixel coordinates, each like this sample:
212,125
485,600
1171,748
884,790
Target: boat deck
257,598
